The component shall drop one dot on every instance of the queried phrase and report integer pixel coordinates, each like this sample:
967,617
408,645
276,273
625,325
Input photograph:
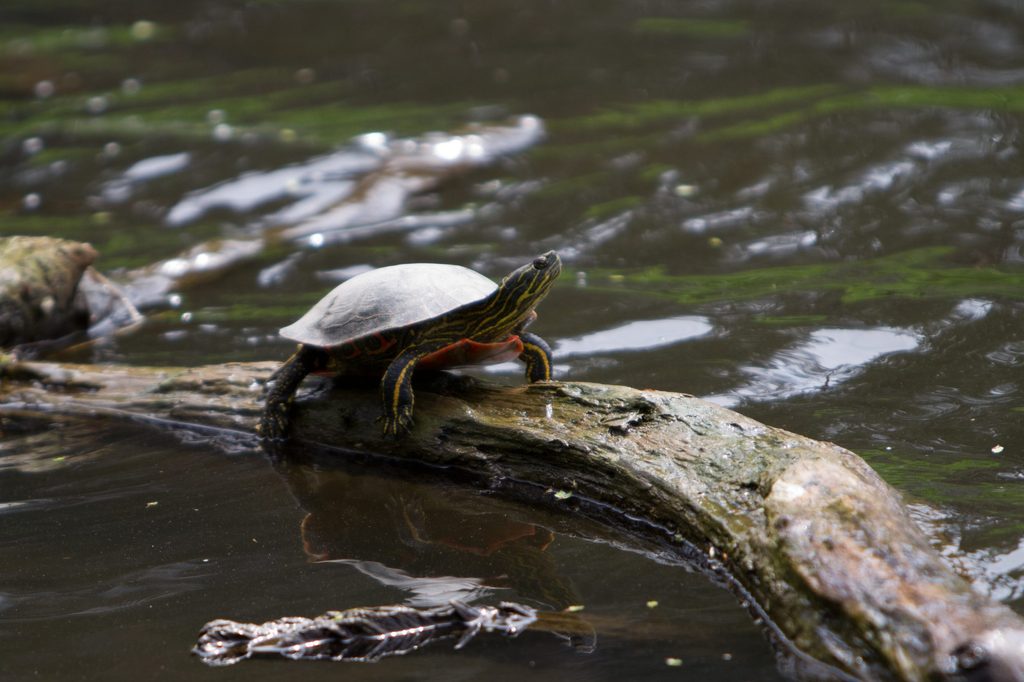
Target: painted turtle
392,320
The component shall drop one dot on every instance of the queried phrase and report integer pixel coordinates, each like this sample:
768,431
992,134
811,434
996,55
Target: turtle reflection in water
392,320
433,540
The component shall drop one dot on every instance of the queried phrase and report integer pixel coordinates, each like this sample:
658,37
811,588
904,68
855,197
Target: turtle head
521,291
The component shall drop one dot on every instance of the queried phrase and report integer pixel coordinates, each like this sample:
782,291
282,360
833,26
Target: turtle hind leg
281,391
537,356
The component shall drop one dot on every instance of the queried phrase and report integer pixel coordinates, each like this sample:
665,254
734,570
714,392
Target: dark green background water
810,212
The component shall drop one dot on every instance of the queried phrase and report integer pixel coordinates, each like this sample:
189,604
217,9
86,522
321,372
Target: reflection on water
634,336
827,358
312,187
180,535
367,184
410,539
995,571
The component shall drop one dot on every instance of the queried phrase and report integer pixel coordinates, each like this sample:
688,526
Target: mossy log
821,548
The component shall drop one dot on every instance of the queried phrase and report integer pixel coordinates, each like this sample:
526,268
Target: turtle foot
398,425
273,427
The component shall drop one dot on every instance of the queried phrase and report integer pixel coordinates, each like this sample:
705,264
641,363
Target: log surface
806,529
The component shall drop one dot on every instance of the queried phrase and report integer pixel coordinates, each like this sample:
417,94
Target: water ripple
130,590
828,357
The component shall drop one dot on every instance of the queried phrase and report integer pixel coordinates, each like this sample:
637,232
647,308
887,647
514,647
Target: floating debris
360,634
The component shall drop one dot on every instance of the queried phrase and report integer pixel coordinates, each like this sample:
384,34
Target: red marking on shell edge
383,343
467,352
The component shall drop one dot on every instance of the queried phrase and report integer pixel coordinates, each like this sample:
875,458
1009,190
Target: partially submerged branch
805,529
360,634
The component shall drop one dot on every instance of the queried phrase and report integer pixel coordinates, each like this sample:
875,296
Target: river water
812,213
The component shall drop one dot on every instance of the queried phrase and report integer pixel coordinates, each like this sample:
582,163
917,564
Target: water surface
813,214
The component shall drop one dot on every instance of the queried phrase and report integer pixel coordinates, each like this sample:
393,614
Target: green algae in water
800,104
33,40
646,113
919,273
941,481
609,208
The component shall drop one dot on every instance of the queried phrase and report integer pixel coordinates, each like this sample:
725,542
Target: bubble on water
97,104
58,167
44,89
186,317
316,240
111,150
287,135
222,132
31,201
305,76
215,116
174,300
131,86
143,30
32,145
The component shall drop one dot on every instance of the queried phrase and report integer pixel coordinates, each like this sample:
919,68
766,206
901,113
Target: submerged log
806,532
362,634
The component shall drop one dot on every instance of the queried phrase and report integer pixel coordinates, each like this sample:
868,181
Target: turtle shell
388,298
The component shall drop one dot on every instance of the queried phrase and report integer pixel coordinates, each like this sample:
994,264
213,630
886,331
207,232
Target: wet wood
51,297
39,293
805,530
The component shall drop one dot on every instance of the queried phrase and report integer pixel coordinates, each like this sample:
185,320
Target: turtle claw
398,425
272,428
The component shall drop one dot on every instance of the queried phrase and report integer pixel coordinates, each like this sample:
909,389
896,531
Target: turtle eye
540,262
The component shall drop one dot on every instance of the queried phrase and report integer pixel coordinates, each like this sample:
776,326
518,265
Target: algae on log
39,295
51,298
806,530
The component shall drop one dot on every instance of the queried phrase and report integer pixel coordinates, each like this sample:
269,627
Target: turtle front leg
396,389
537,356
282,386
